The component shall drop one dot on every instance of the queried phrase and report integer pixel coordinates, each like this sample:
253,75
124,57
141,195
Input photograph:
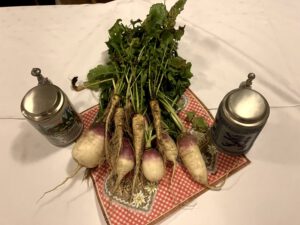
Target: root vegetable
124,164
152,165
138,129
169,149
192,158
128,109
156,114
108,119
117,138
88,152
166,145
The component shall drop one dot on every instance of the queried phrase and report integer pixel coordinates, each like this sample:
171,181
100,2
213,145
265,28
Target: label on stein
241,116
48,109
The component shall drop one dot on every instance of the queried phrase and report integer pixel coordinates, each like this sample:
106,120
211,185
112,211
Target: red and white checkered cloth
166,199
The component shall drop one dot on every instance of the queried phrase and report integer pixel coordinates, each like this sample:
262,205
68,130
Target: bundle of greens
146,53
139,87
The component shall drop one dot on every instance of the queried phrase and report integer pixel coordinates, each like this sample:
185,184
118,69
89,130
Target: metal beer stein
241,116
49,110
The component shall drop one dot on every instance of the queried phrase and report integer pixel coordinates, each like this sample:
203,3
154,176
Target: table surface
224,41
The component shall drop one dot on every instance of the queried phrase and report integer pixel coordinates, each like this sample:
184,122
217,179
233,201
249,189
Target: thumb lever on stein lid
248,82
41,79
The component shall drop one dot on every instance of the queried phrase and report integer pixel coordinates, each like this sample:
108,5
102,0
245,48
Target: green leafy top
198,122
144,56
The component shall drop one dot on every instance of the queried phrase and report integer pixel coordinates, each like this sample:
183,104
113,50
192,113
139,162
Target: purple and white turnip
152,165
124,164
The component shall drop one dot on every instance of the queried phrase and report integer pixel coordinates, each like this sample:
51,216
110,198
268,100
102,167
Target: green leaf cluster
198,122
143,60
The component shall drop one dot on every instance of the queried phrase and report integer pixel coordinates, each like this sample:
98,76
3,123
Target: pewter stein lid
43,100
245,106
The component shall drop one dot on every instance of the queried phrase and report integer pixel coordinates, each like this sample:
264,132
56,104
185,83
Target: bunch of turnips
137,130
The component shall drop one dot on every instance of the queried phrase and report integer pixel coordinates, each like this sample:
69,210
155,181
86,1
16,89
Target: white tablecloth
224,40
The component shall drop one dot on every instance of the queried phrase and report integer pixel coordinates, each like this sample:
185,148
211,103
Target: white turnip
88,152
152,165
191,157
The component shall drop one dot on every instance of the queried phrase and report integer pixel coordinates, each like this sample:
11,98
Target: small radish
125,163
152,165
